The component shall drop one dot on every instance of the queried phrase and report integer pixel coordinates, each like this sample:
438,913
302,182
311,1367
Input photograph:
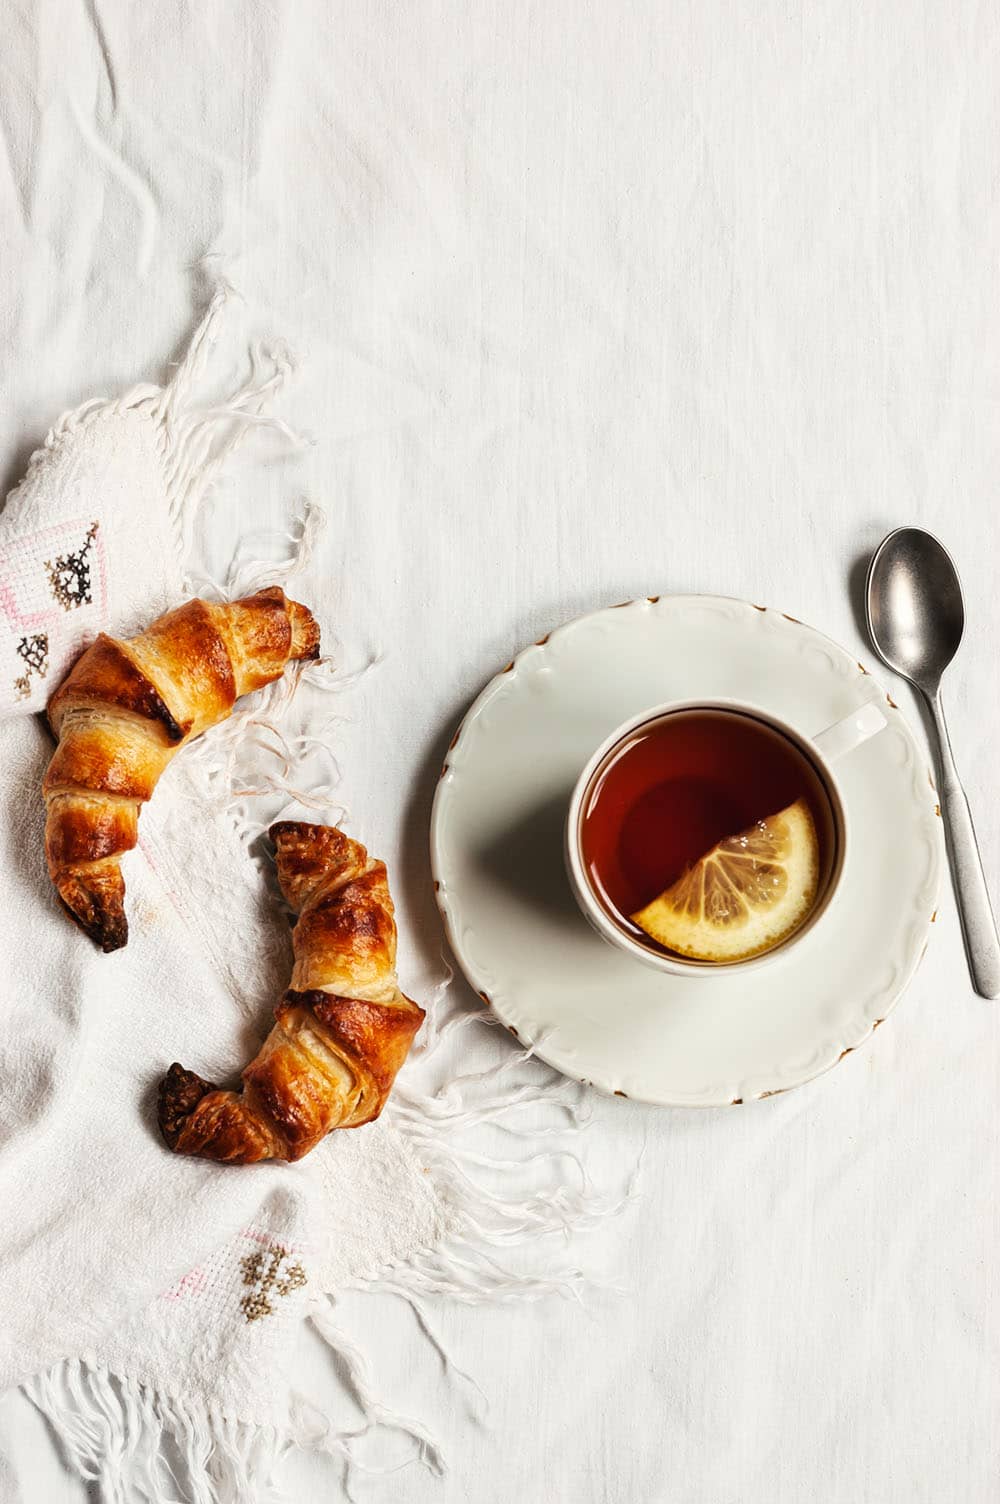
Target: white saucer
589,1010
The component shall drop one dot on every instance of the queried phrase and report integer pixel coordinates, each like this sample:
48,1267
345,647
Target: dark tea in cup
709,835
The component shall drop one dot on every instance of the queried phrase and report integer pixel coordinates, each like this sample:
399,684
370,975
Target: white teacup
820,751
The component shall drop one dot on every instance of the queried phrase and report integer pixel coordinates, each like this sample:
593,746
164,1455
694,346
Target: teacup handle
846,735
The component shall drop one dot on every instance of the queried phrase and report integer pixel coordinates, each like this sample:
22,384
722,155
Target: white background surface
597,301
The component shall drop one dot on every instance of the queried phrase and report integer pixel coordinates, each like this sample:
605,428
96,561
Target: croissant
123,711
341,1031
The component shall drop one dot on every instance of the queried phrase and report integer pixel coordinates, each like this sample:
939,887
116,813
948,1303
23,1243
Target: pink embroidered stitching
191,1284
22,557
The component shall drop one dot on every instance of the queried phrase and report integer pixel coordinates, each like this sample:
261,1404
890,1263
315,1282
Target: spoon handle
982,946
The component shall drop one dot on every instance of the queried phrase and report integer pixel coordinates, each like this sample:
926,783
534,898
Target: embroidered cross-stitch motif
35,652
69,574
261,1271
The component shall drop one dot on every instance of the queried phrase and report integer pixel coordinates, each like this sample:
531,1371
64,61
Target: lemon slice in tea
748,894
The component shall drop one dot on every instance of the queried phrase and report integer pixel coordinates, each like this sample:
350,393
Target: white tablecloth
595,300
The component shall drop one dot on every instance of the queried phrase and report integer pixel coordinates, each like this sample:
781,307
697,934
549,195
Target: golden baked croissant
341,1032
123,711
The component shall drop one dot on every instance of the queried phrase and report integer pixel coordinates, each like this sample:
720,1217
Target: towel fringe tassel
141,1448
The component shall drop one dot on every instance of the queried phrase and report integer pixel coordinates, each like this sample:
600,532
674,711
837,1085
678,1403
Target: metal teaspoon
915,614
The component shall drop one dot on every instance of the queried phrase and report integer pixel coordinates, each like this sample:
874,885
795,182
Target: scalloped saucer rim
513,925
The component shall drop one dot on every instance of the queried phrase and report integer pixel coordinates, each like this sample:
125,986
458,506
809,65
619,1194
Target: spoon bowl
915,611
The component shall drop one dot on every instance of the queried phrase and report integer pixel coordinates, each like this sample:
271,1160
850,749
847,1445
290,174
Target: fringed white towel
149,1302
